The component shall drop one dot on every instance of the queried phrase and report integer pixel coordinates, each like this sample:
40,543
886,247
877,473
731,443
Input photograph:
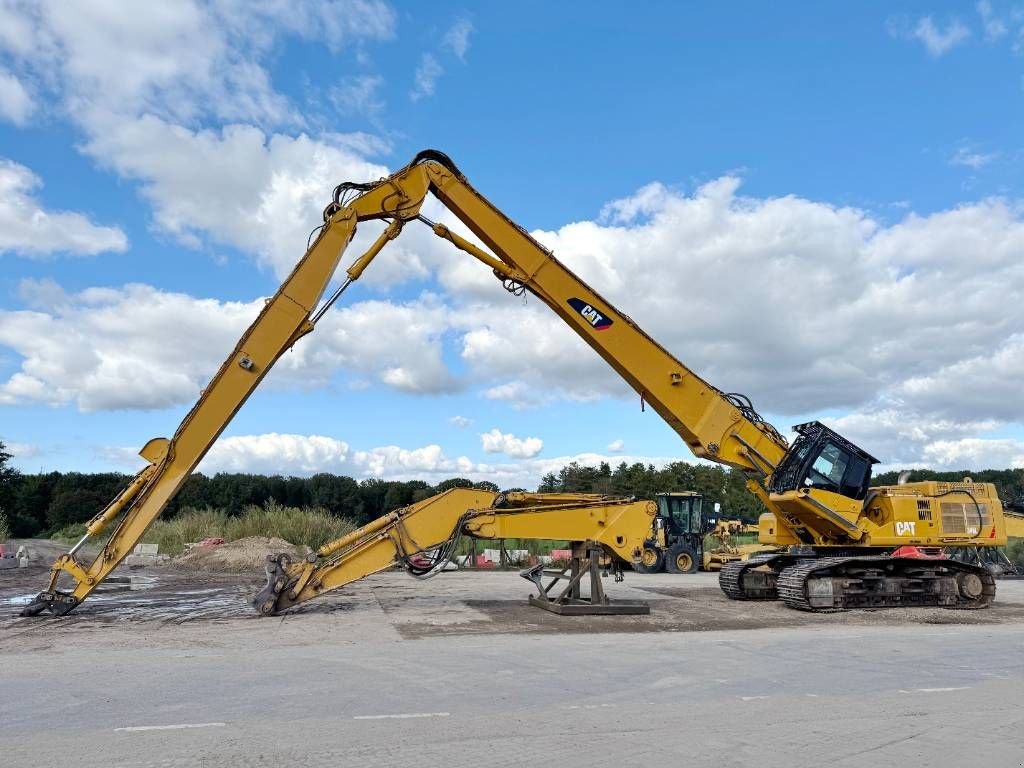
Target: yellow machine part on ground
422,537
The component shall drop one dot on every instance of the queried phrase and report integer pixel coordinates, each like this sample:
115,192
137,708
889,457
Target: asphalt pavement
914,695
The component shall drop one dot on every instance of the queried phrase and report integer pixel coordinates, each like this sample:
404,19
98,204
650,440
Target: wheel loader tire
652,560
681,559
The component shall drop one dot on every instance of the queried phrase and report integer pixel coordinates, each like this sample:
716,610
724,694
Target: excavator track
736,582
829,584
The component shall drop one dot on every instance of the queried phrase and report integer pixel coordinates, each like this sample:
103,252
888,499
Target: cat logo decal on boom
599,320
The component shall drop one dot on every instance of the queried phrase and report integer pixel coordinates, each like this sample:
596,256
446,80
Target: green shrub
68,533
190,525
5,529
312,527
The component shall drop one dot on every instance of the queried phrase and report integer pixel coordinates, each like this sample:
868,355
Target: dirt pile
245,554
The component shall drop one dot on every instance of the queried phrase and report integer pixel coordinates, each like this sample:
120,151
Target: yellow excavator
839,533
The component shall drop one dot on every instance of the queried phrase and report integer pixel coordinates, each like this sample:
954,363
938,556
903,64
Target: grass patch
313,527
69,534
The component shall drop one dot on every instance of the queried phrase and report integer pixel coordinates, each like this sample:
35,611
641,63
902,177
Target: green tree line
715,483
38,504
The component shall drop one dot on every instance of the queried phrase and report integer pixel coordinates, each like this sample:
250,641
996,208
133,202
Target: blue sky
818,206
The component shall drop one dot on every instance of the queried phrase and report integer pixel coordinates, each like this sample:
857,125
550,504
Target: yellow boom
422,536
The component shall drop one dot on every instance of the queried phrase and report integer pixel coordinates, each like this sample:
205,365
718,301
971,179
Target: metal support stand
586,557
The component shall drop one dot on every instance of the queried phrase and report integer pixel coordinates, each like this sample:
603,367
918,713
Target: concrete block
146,549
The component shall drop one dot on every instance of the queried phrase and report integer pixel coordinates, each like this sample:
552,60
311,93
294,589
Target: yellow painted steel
705,418
1014,523
620,525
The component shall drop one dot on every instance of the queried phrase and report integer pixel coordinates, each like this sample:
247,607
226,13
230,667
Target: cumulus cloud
975,453
461,422
303,455
237,185
136,347
497,441
28,229
107,58
274,454
616,446
16,105
219,154
805,306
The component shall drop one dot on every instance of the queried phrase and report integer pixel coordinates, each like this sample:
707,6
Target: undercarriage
825,581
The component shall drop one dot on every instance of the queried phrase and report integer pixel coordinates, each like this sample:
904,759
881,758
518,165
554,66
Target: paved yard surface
456,671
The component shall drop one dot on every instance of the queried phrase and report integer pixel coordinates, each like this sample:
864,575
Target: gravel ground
214,605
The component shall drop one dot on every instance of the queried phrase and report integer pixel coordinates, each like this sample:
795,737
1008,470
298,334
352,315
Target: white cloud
456,39
16,105
27,229
460,422
805,306
21,451
179,61
936,39
274,454
975,453
940,41
359,94
140,348
616,446
177,97
425,79
303,455
237,185
982,386
497,441
713,276
994,27
969,157
899,437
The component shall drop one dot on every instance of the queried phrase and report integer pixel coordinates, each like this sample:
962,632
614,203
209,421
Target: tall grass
313,527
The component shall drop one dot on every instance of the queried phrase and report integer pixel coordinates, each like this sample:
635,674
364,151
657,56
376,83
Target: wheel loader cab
682,513
822,459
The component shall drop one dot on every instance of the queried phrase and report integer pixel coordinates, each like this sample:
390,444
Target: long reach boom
816,491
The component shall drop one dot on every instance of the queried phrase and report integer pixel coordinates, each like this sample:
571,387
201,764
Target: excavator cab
822,458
